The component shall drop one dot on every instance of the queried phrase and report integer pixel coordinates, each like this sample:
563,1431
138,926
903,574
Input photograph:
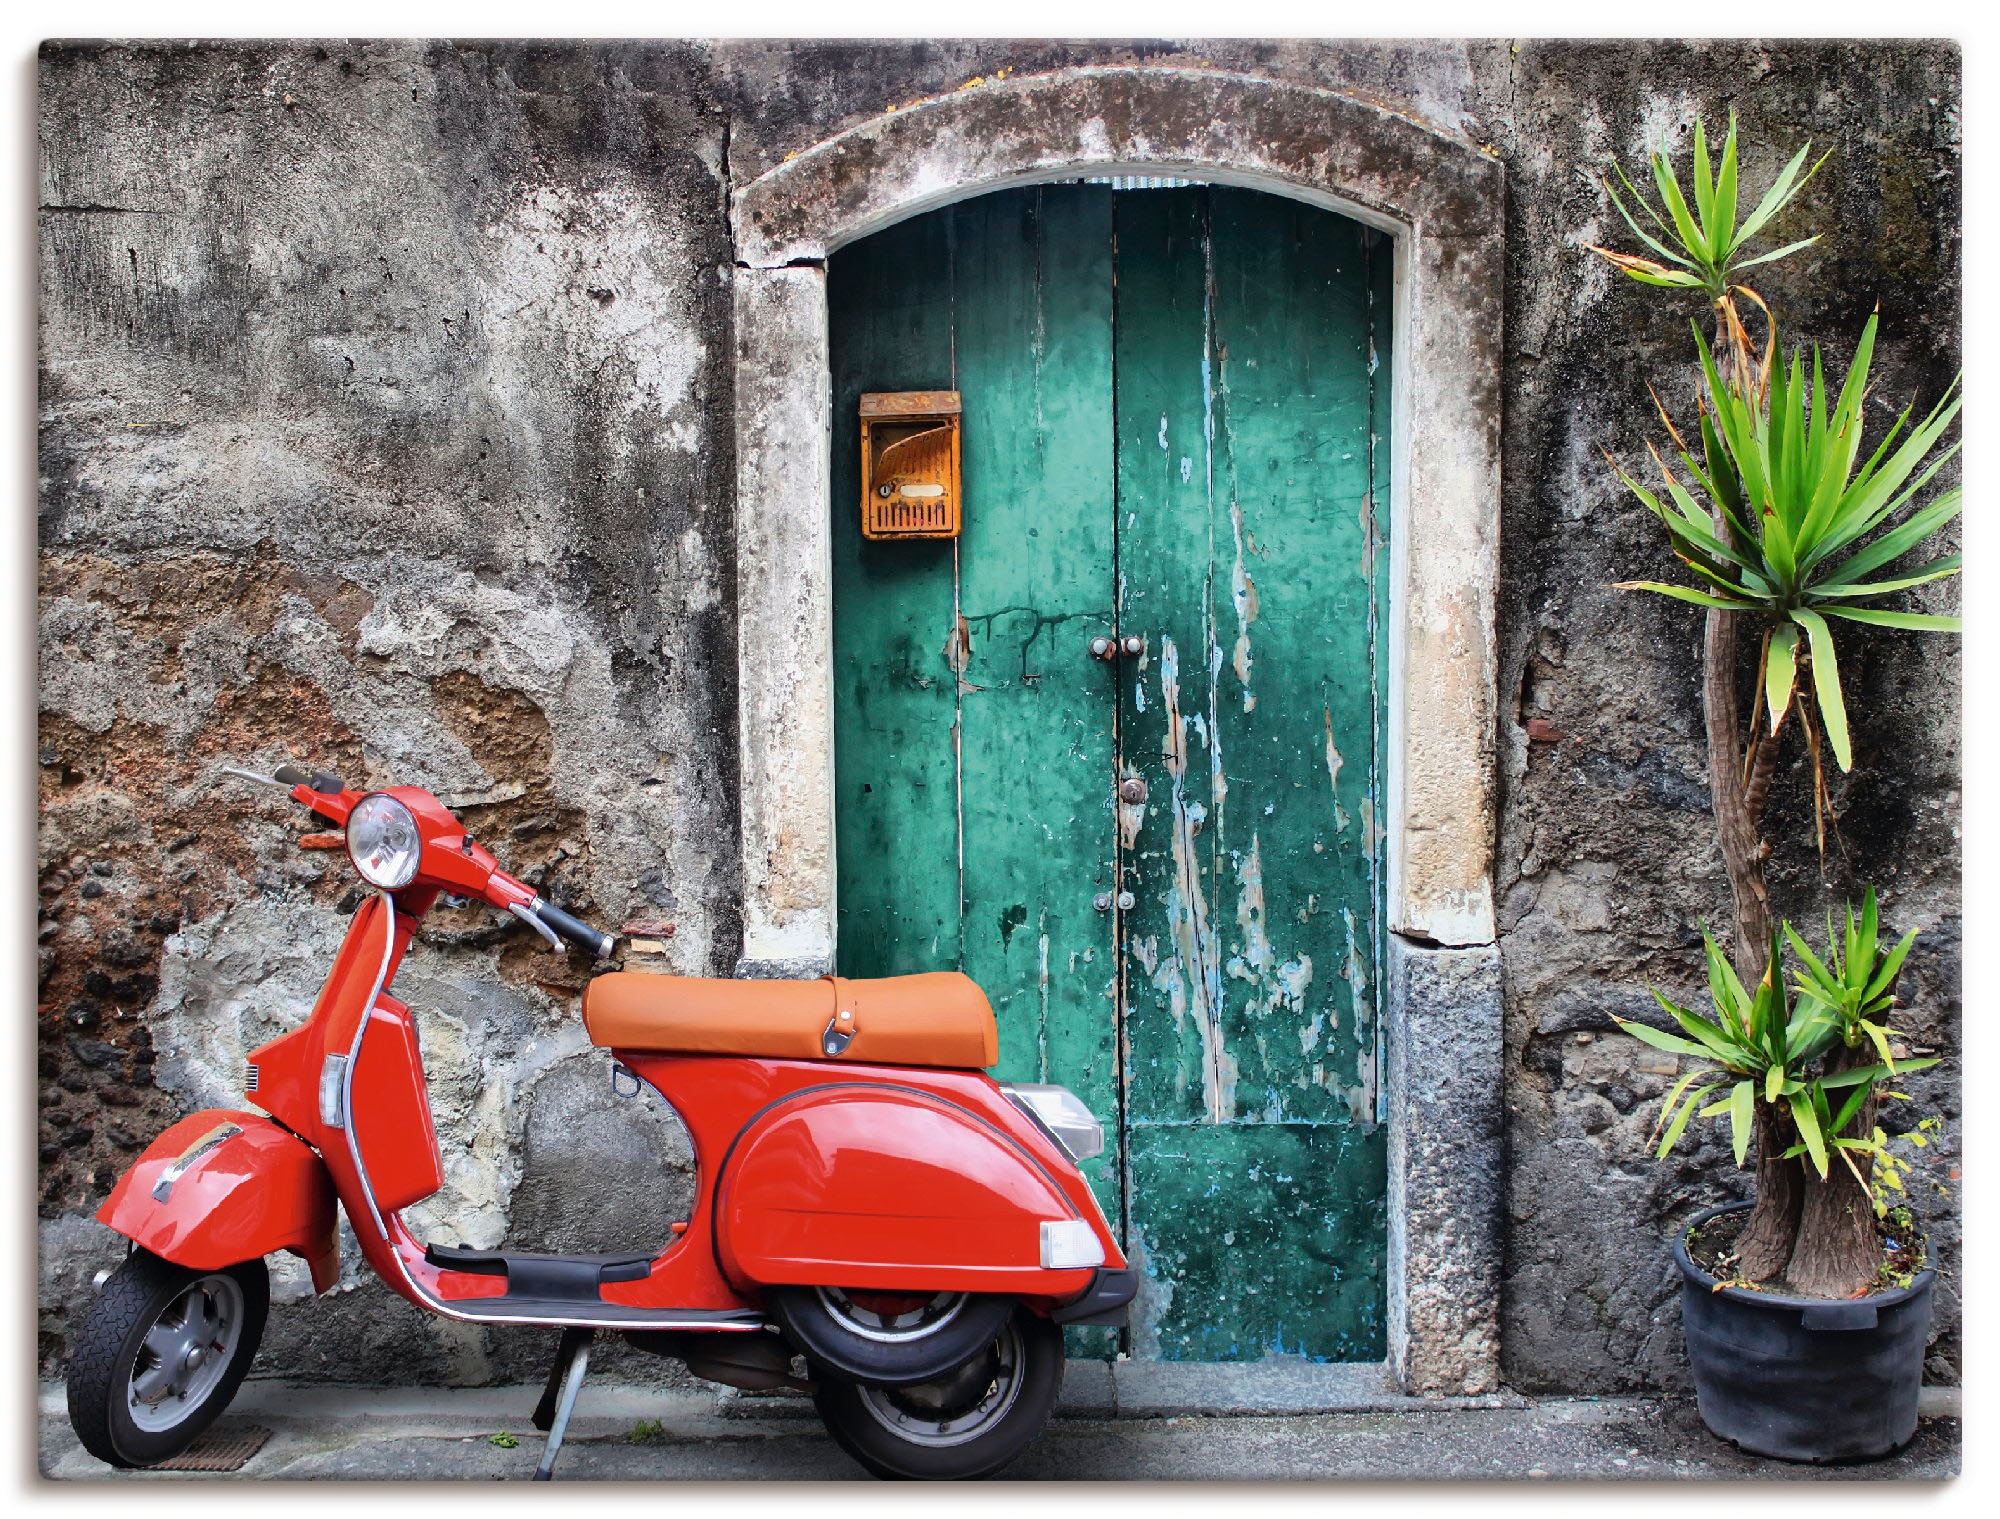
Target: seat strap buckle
840,1032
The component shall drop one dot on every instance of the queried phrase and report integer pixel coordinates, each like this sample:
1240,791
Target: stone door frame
1441,200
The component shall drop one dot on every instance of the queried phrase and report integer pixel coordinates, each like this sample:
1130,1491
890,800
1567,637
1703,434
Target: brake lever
251,775
537,925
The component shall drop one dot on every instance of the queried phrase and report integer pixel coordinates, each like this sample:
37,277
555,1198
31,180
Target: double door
1115,751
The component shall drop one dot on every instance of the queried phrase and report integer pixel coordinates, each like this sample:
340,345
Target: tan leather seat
940,1018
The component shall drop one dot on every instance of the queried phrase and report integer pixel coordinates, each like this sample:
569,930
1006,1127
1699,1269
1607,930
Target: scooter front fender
221,1187
891,1188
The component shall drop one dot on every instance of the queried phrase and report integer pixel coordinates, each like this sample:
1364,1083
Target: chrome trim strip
354,1054
429,1298
184,1162
726,1326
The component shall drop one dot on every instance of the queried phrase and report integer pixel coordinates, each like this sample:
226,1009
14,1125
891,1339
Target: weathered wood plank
895,703
1254,1159
1177,1067
1295,710
1033,279
1258,1238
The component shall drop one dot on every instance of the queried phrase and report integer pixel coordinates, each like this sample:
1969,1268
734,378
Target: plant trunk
1765,1247
1768,1238
1839,1252
1736,828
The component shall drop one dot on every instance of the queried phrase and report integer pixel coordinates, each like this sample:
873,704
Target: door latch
1132,789
1131,646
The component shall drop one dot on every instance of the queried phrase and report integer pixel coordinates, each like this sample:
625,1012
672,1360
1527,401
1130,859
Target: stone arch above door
1439,197
1441,200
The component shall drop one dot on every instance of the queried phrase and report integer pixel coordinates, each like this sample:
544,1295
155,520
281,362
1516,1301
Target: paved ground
446,1435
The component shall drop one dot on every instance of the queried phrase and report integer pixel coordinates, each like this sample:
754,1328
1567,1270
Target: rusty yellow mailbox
909,464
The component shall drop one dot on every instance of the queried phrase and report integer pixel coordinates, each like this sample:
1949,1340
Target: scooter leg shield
223,1186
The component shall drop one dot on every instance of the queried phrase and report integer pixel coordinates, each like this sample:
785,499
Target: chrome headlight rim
380,812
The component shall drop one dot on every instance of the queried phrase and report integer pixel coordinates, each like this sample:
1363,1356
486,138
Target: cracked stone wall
385,419
384,423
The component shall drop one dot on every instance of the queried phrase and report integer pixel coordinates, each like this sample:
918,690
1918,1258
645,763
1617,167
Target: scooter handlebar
522,900
578,932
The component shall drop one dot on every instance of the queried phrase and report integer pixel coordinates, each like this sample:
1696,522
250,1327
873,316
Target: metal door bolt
1132,790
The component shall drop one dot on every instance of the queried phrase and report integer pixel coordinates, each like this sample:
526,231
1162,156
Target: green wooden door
1175,427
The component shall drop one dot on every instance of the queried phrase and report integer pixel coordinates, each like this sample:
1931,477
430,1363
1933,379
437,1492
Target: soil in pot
1712,1246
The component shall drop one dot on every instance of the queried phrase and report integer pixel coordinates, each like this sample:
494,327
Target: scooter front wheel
965,1424
160,1352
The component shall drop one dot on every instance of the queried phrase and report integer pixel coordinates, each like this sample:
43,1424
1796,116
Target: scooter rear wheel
966,1424
159,1353
890,1339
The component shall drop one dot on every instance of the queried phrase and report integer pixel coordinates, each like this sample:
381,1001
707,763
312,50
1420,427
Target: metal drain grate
217,1451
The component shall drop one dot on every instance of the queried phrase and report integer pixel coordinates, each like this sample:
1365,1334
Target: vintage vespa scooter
866,1197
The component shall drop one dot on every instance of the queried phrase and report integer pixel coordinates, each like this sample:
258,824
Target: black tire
111,1359
855,1344
905,1433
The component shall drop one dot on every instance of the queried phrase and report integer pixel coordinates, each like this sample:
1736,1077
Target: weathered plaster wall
379,419
1607,858
386,410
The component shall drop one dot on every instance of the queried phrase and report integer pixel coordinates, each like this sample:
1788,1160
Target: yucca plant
1855,983
1706,247
1753,1044
1789,531
1786,535
1853,988
1708,242
1796,1075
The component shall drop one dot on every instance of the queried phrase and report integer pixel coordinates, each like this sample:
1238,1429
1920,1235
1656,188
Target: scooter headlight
1062,1113
382,841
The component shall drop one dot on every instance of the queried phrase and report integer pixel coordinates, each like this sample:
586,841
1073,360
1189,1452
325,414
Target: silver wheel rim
185,1354
956,1408
893,1328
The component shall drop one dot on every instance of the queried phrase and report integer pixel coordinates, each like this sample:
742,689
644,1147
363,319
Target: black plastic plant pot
1804,1379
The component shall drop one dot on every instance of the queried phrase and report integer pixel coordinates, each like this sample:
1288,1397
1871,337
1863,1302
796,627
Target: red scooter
866,1197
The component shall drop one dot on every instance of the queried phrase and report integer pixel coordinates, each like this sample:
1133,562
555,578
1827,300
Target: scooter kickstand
559,1396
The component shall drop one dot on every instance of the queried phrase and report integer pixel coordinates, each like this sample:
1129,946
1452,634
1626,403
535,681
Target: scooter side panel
888,1187
223,1186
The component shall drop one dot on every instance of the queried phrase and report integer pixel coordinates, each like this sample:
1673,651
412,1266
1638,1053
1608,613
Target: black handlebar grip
325,782
578,932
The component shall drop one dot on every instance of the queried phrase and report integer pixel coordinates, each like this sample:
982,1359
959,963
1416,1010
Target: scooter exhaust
751,1362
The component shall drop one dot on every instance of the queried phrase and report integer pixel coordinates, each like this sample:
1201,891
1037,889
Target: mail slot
909,464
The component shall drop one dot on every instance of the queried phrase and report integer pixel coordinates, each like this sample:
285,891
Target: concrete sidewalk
635,1434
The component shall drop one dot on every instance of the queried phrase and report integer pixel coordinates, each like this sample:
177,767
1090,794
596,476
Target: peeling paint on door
1172,406
1251,1098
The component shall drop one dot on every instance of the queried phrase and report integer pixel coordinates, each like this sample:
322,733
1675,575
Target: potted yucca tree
1797,1372
1791,525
